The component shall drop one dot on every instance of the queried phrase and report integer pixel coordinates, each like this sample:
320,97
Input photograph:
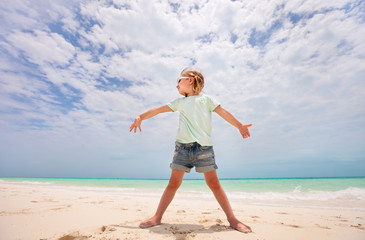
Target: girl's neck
191,94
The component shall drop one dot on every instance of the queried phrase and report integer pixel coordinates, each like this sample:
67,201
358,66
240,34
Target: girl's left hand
136,124
244,130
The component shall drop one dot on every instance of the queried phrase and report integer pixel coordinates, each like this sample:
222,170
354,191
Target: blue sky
74,74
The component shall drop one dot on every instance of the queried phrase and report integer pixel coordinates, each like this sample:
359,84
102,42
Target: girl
193,145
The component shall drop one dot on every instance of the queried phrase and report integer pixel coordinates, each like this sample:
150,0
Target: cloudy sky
74,74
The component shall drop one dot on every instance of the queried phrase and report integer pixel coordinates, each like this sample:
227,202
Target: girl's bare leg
213,183
169,193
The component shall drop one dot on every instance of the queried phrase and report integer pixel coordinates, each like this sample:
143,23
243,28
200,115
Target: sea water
344,193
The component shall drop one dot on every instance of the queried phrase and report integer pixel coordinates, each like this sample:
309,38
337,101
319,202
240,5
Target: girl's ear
191,80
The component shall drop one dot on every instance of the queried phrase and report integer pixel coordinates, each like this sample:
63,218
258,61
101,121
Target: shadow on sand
182,231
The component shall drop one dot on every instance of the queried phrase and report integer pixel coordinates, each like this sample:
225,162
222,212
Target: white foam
312,195
27,182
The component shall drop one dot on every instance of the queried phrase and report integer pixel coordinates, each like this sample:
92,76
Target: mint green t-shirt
195,118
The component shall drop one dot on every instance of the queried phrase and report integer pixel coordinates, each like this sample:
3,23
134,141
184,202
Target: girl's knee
213,183
174,183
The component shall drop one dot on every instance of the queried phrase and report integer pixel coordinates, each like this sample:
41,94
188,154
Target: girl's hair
198,84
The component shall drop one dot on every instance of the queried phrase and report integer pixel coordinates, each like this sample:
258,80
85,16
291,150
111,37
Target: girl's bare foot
235,224
153,221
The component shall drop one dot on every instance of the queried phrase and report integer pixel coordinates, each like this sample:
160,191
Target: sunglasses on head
180,78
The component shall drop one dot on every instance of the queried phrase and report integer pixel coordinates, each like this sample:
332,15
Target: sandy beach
47,212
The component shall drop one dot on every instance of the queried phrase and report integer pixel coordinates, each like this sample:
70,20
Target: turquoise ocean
341,192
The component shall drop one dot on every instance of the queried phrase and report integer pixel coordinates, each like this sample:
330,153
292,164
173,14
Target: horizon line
223,178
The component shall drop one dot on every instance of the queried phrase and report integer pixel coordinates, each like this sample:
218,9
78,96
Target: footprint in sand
291,225
219,228
56,209
74,236
203,221
359,226
61,207
176,230
324,227
218,221
107,228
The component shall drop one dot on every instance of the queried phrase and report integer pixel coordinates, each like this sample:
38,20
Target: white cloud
41,47
312,6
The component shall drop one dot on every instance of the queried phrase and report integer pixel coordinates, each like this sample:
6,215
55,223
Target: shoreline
269,199
39,212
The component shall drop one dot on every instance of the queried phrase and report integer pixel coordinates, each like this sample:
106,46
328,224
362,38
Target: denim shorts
189,155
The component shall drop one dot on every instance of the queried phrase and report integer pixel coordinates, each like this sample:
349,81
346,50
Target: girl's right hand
136,124
244,130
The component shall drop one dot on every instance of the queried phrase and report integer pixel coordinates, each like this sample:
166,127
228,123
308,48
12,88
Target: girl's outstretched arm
146,115
232,120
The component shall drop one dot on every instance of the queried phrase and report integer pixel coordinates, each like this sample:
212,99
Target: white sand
46,212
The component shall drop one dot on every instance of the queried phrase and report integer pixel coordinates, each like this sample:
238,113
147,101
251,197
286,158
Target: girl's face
185,85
